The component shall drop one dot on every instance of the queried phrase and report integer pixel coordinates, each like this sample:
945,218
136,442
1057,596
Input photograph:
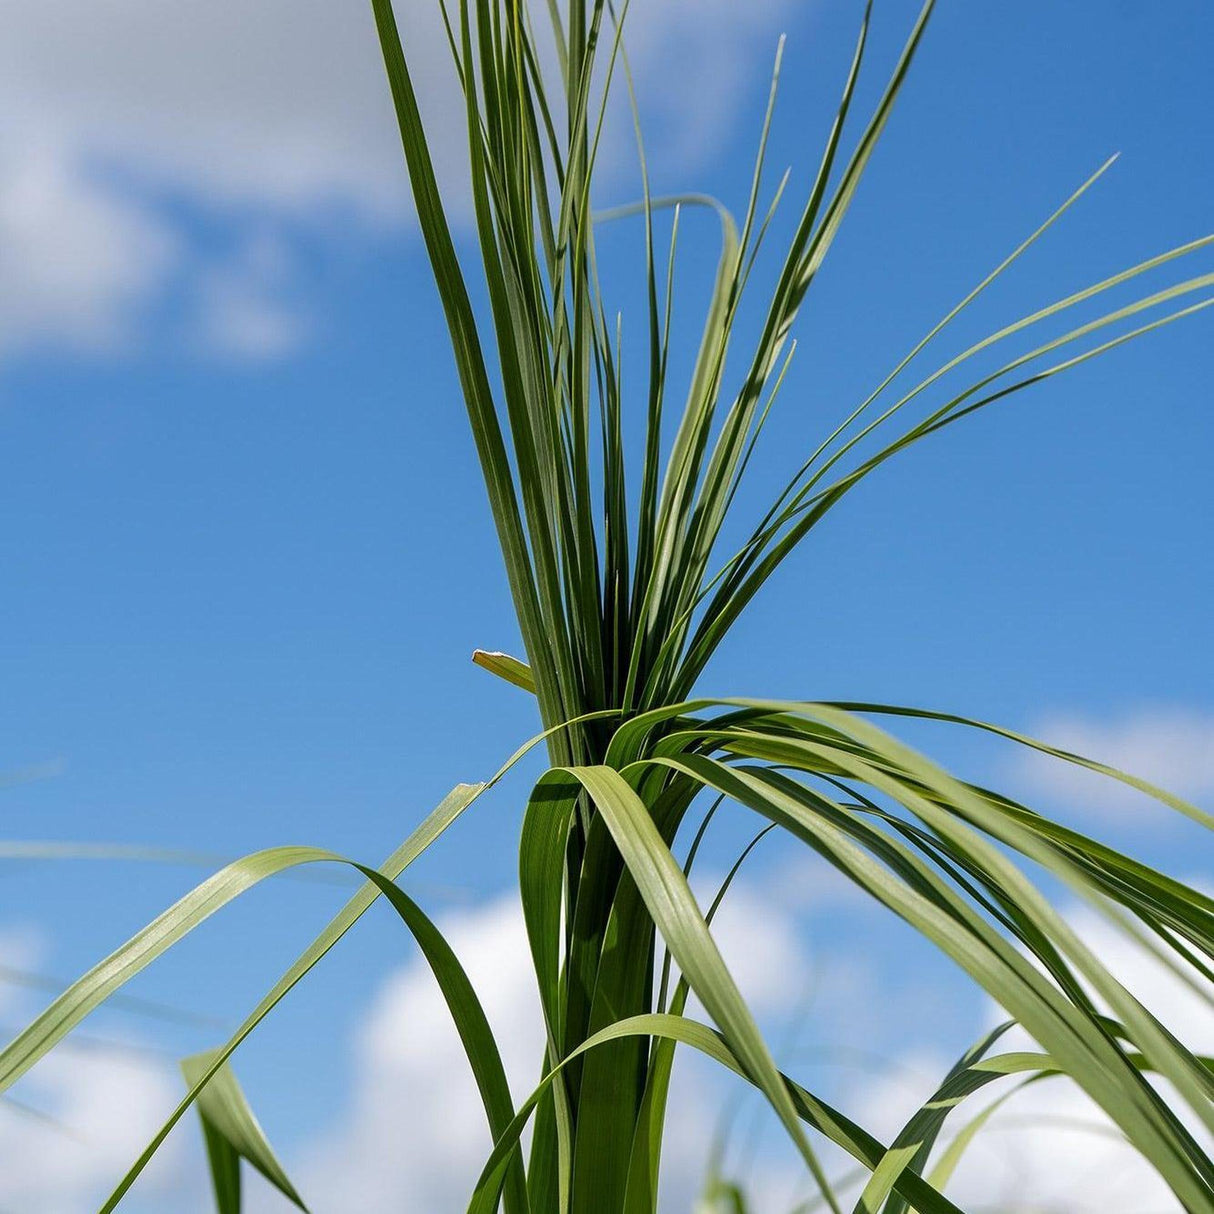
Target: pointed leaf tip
232,1133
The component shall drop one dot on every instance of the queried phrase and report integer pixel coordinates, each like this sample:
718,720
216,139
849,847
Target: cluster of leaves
621,606
622,597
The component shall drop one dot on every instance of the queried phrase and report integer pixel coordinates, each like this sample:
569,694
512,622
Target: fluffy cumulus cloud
1167,746
413,1136
118,119
414,1130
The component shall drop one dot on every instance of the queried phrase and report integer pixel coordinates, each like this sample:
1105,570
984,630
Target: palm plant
623,593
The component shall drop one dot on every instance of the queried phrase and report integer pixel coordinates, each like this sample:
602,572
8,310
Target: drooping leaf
232,1133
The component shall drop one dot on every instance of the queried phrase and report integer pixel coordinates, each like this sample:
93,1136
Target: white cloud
1057,1150
411,1136
763,948
1170,747
112,114
79,261
103,1109
414,1135
415,1130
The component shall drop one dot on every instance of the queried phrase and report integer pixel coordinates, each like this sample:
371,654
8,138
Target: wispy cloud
1171,747
244,307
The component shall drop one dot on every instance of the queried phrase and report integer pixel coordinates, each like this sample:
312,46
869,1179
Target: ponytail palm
624,588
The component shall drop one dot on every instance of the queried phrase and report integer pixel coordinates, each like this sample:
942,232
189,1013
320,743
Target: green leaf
232,1133
815,1112
673,907
505,667
825,742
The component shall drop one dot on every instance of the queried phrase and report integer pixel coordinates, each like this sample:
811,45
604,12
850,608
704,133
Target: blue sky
247,554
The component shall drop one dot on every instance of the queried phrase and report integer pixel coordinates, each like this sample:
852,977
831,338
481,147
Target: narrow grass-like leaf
232,1133
816,1113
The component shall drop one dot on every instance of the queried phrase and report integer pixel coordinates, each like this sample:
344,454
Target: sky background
246,554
